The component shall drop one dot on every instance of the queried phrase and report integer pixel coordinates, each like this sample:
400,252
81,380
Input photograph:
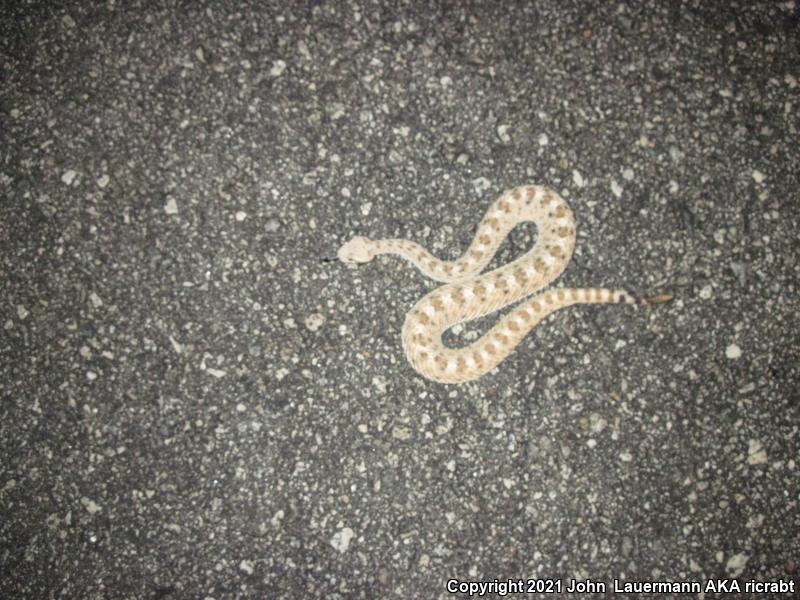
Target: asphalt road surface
195,403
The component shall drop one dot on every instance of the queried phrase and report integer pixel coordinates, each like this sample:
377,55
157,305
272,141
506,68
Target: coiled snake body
469,295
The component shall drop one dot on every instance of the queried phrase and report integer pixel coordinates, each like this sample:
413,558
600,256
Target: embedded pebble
302,48
502,133
543,141
758,176
69,176
674,186
314,321
616,188
597,423
578,179
103,181
278,67
756,454
90,505
481,184
736,563
246,566
379,383
336,110
401,433
733,352
176,345
171,207
341,539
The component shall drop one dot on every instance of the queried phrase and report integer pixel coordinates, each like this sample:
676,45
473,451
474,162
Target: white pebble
103,181
616,188
336,110
366,208
736,563
502,133
176,345
90,505
69,176
627,174
758,176
733,352
278,67
240,215
481,184
341,539
756,455
314,321
171,207
578,179
543,141
246,566
379,383
401,433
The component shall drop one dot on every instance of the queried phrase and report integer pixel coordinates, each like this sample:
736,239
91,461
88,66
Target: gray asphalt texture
196,404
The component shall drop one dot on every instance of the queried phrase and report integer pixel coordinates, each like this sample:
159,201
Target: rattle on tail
469,295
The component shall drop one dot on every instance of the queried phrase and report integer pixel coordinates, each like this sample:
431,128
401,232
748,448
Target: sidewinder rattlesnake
468,295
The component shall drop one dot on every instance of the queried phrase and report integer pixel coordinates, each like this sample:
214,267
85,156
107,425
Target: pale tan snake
469,295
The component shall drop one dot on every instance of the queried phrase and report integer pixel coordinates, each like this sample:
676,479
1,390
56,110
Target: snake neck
541,206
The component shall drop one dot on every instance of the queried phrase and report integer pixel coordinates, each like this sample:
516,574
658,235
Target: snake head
357,250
